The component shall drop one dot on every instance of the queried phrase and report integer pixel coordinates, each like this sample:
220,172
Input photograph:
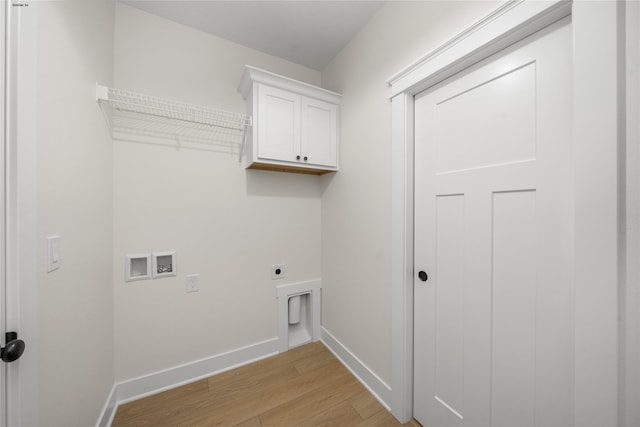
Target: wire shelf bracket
131,115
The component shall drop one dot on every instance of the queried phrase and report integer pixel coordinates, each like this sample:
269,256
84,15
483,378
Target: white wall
75,199
227,224
356,204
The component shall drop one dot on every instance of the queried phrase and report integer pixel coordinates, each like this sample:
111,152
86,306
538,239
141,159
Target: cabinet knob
298,157
305,158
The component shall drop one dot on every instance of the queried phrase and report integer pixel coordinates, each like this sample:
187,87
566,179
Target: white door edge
596,165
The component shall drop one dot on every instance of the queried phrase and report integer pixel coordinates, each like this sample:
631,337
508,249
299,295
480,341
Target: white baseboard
160,381
366,376
109,410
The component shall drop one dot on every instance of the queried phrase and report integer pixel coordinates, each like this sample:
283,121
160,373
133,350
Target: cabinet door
278,124
319,132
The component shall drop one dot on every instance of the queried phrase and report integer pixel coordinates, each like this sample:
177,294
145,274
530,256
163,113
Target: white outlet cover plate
274,271
193,283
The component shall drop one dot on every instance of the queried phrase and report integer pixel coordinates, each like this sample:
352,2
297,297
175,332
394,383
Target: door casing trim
21,192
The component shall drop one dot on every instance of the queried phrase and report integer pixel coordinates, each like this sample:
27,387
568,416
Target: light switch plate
53,253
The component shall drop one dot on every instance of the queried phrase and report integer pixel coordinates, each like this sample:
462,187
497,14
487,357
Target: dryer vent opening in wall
295,309
299,320
298,314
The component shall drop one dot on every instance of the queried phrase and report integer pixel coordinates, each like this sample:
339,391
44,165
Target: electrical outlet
277,271
193,283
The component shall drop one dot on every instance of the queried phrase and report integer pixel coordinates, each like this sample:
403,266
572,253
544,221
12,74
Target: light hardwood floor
306,386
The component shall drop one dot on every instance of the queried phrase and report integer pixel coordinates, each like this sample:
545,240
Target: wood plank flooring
306,386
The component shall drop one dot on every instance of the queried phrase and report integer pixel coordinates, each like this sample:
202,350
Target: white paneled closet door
493,235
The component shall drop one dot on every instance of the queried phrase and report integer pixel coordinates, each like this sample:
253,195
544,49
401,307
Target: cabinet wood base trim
292,169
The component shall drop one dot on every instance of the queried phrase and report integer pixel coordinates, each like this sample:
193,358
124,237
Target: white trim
253,75
595,157
160,381
22,191
378,388
596,174
630,356
4,117
402,259
109,411
167,379
510,22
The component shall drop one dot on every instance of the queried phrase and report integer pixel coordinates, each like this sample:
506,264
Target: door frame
3,117
598,197
20,163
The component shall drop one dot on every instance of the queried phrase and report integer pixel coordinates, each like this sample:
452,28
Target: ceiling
309,33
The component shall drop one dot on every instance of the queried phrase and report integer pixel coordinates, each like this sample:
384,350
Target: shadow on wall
283,184
215,146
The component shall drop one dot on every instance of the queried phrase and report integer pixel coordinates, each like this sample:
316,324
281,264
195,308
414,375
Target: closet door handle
422,275
13,349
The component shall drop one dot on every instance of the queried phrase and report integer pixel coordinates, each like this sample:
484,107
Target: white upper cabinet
295,125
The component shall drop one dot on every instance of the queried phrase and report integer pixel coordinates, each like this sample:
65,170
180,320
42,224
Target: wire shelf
131,114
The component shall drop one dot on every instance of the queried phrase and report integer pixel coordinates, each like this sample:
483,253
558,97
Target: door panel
449,330
505,124
493,332
514,308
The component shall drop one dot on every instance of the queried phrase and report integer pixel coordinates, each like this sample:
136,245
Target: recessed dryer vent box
164,264
137,267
